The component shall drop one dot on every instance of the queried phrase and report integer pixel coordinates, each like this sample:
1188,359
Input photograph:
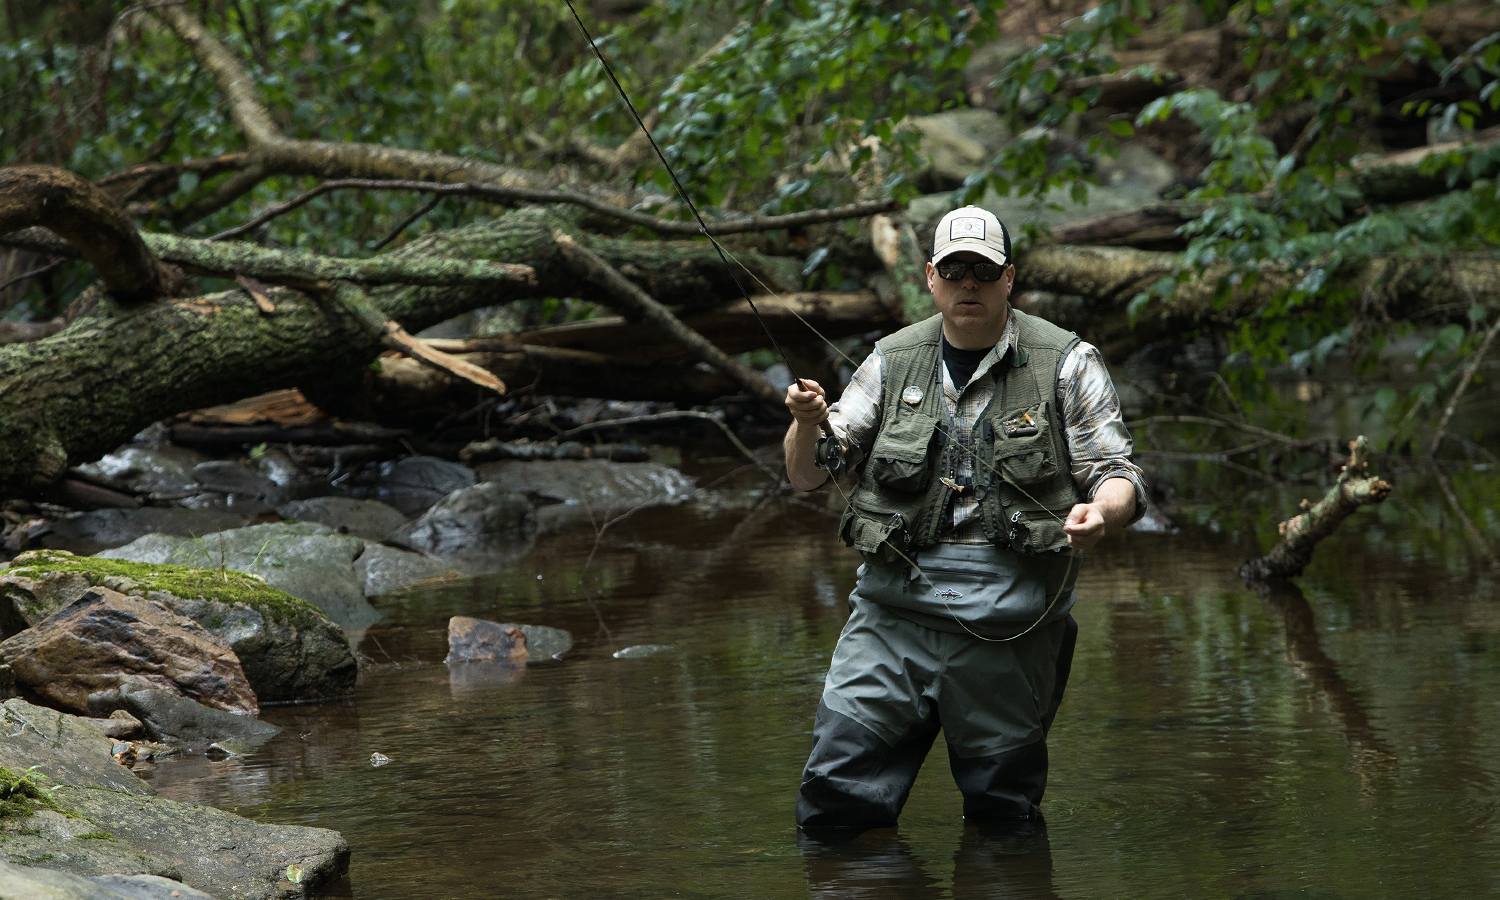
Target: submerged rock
469,521
415,483
106,639
479,640
476,640
309,561
126,828
640,651
288,649
368,519
580,490
171,718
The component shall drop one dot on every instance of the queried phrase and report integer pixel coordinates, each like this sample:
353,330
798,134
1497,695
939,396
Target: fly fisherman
993,451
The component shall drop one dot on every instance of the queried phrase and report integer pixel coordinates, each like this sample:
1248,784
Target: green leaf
1121,128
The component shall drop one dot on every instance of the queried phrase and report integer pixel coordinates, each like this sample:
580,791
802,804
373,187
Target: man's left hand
1084,526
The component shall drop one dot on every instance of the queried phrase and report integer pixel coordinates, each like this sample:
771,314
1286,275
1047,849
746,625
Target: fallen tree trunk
1105,279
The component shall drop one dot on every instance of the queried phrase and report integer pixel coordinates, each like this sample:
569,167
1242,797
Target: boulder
416,482
228,477
172,718
105,639
479,640
368,519
126,828
308,561
576,491
383,569
288,649
469,521
28,883
102,529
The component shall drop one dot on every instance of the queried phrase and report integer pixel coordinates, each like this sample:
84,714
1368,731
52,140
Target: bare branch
526,195
637,301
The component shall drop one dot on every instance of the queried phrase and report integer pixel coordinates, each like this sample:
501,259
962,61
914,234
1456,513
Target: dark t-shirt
962,363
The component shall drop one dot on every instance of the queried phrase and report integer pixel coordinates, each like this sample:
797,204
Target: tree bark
85,217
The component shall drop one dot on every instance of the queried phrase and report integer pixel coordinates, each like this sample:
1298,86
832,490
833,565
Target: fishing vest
1022,474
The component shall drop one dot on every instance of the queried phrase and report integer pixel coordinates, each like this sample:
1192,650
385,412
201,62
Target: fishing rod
833,449
824,425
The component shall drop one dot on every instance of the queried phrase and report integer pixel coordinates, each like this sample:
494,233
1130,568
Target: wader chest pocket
899,458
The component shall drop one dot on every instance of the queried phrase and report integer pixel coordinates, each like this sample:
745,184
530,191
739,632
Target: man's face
970,307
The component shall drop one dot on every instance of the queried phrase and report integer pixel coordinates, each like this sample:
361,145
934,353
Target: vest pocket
1037,533
1023,445
867,532
899,458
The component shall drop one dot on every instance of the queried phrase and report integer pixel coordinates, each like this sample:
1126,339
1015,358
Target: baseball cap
974,229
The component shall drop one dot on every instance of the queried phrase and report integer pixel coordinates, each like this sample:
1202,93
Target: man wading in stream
993,451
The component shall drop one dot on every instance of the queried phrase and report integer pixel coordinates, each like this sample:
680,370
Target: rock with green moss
288,649
308,561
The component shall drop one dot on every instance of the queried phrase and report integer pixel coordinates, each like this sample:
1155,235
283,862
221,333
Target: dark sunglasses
983,271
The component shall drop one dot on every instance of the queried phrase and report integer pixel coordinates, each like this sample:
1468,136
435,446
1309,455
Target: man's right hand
805,399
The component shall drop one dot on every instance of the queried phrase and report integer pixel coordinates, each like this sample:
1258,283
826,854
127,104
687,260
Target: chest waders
908,664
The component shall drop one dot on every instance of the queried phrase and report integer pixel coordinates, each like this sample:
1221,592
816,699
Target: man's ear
931,274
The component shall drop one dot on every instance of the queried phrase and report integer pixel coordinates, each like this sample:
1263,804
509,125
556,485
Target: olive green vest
1021,470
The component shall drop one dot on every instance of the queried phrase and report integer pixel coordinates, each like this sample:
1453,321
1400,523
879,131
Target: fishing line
682,191
734,274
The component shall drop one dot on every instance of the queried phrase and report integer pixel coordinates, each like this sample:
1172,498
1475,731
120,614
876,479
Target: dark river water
1342,743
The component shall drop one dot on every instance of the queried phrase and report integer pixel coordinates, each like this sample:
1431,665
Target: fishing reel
828,454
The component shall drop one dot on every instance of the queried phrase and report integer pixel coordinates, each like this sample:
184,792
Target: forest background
1331,216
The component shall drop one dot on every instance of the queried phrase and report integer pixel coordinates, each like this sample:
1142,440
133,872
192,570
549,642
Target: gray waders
893,683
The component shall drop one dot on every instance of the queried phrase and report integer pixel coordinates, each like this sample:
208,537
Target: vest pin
912,395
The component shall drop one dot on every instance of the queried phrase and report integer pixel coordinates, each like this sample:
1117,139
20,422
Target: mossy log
115,369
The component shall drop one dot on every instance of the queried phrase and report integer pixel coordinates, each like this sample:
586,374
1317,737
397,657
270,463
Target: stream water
1344,743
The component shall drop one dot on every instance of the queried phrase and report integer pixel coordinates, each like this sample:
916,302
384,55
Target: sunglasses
983,271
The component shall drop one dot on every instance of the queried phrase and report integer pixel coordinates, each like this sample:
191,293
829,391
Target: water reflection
991,862
1189,758
1304,649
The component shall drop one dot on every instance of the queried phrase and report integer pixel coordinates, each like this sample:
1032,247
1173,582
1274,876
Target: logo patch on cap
966,227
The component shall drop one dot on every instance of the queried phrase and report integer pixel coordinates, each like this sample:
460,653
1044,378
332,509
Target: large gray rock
469,521
218,852
148,887
106,639
125,828
228,477
957,143
173,719
309,561
89,532
416,482
288,649
161,470
383,569
368,519
579,490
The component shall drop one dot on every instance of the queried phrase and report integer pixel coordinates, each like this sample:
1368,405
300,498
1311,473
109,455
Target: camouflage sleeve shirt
1098,443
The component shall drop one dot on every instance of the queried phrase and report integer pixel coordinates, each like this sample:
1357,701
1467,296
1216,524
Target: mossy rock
289,649
143,579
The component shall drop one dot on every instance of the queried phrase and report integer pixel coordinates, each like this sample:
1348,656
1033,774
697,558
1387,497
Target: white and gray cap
973,229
